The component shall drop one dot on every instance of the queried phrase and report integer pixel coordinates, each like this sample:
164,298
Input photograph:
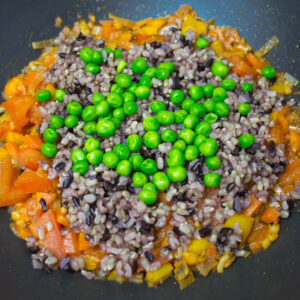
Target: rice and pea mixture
150,149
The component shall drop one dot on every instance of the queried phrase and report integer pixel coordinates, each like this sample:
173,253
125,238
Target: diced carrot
5,127
32,81
254,61
30,182
211,250
83,244
294,141
12,148
12,197
34,115
18,108
107,29
61,217
71,243
241,66
52,239
253,208
50,87
33,141
270,215
48,197
14,87
15,137
30,158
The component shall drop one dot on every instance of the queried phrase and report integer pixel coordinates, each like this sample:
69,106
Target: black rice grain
59,166
67,182
149,256
43,204
206,231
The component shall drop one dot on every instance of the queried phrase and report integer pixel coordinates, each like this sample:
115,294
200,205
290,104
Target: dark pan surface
272,274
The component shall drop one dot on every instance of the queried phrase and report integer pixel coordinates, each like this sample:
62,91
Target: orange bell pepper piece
241,66
253,208
71,243
83,244
270,215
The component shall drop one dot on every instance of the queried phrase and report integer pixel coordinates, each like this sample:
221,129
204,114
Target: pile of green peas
197,113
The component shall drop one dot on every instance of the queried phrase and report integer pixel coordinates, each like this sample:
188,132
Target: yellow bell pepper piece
114,277
159,276
197,246
183,274
191,23
15,137
281,88
3,153
190,257
90,262
84,28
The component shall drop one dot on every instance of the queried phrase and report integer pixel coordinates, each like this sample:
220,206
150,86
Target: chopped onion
292,81
43,44
268,46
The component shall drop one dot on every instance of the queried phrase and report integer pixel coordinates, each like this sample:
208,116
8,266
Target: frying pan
271,274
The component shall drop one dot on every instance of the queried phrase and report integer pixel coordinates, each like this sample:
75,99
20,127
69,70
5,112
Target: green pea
209,147
74,108
77,155
161,181
179,116
177,96
49,150
142,92
169,135
244,108
209,105
180,145
136,161
203,128
122,151
130,108
92,68
198,110
208,90
114,100
247,87
202,43
116,121
221,109
156,106
162,74
219,69
246,140
146,81
139,66
151,139
123,80
177,174
132,88
219,94
118,53
86,55
50,135
211,118
89,114
105,128
188,135
108,51
167,65
95,157
148,166
191,152
97,57
59,95
97,98
213,163
151,124
196,92
81,167
121,66
124,168
134,142
190,121
139,179
165,117
148,197
175,158
91,144
187,103
268,72
151,72
228,84
43,96
199,140
149,187
71,121
119,113
102,109
128,97
56,122
110,159
115,88
212,180
90,128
